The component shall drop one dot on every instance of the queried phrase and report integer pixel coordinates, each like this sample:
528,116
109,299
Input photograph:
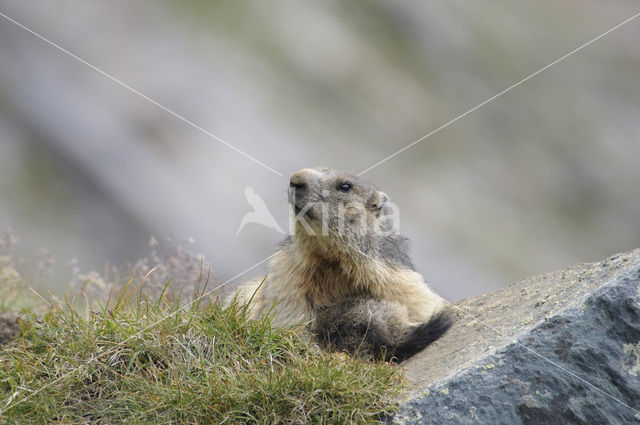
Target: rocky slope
560,348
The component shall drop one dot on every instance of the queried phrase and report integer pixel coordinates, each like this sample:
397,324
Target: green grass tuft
205,364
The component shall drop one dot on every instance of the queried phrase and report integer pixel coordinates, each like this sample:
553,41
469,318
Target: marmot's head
330,203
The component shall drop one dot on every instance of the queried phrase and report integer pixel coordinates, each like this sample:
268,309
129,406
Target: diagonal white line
426,136
10,404
524,346
128,87
41,297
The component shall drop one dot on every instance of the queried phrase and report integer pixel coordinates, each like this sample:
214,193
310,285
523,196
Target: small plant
138,360
170,261
14,292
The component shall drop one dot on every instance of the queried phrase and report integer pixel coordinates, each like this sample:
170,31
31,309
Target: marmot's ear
379,200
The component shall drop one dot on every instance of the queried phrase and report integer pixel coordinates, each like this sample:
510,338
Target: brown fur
377,328
350,260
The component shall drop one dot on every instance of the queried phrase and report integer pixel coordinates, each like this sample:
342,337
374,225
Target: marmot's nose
297,191
298,181
297,184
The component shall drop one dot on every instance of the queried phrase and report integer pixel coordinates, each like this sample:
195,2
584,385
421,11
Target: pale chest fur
297,284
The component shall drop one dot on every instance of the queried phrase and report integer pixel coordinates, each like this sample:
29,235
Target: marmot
377,328
346,273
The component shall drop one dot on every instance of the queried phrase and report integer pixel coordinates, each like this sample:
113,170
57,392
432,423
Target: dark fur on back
392,249
374,328
395,250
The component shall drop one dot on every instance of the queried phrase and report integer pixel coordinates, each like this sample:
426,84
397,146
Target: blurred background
544,176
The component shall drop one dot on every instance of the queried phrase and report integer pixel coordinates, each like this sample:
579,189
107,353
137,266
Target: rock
560,348
9,327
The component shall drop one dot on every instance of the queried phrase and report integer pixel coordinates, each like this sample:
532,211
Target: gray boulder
560,348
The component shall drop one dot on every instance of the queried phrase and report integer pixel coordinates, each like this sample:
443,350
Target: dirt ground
9,327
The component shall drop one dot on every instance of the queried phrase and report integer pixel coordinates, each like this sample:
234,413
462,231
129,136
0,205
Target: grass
14,294
203,364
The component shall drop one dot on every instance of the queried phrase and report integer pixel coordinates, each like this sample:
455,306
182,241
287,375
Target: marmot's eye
345,186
